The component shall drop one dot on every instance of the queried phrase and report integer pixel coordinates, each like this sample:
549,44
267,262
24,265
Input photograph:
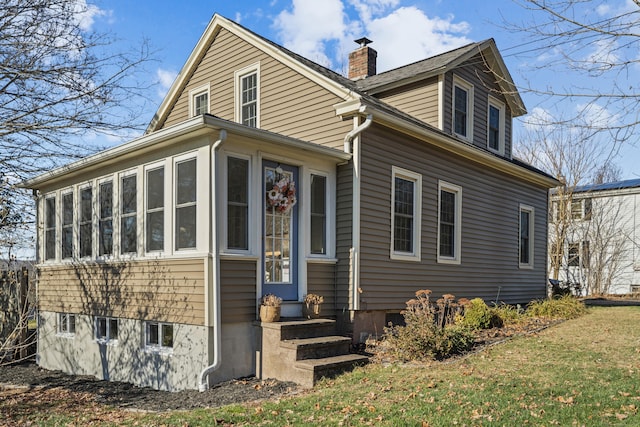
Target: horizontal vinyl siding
320,280
474,72
419,100
290,103
490,218
167,290
238,290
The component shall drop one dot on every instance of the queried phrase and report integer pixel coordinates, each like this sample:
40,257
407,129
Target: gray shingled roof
424,66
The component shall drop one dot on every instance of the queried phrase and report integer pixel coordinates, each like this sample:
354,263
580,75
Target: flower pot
311,311
269,313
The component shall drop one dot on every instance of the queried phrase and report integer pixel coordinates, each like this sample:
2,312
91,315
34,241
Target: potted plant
312,306
270,308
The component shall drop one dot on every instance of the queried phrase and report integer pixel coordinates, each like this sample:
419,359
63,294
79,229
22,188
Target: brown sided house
153,254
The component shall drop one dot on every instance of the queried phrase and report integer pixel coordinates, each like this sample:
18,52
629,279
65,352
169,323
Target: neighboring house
153,254
600,250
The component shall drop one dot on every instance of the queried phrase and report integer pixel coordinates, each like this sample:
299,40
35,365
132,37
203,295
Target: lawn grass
583,371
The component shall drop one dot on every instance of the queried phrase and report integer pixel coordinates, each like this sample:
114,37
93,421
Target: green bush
564,307
508,314
477,315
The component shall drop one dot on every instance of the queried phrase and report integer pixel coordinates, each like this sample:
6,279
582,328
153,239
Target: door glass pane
278,225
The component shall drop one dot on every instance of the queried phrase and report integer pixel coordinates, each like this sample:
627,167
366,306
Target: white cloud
407,35
537,118
309,25
87,13
596,116
324,32
165,79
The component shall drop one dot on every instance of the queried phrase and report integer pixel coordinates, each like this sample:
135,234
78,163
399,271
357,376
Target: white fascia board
215,25
446,143
194,127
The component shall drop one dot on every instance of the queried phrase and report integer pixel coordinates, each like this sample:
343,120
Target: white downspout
215,254
354,252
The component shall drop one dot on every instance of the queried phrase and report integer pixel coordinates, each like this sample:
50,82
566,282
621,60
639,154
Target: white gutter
215,254
348,138
354,252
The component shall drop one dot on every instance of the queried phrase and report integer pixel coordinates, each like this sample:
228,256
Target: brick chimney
362,61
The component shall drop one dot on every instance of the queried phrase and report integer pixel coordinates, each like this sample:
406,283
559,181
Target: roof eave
197,126
217,23
446,142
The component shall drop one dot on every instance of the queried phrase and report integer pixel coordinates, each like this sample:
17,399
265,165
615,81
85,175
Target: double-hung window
128,214
50,227
248,95
105,222
406,202
155,209
159,336
526,237
66,323
462,109
495,126
67,225
199,100
106,329
85,228
318,214
185,211
581,209
237,203
449,223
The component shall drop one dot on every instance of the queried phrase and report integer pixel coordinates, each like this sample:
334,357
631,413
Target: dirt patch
28,376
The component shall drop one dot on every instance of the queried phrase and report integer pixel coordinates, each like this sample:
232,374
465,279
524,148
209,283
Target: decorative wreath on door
282,197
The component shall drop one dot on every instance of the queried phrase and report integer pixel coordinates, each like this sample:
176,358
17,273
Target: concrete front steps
303,351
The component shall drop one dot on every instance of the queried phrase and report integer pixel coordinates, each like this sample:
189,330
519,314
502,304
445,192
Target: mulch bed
29,376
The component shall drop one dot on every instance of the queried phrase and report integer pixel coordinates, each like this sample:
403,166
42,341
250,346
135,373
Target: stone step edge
331,362
314,342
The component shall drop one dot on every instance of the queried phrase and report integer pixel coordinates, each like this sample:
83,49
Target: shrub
508,314
564,307
428,332
477,315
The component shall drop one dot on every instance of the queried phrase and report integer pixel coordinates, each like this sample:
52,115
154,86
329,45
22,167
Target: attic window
199,101
248,96
462,104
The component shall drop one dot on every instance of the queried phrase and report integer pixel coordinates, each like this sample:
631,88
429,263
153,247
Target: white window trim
105,340
457,190
57,240
174,201
417,214
330,224
94,219
493,102
96,215
118,214
463,84
224,200
238,75
66,334
167,232
531,210
74,223
193,93
158,348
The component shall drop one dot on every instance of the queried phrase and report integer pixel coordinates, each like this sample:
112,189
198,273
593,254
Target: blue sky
403,31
